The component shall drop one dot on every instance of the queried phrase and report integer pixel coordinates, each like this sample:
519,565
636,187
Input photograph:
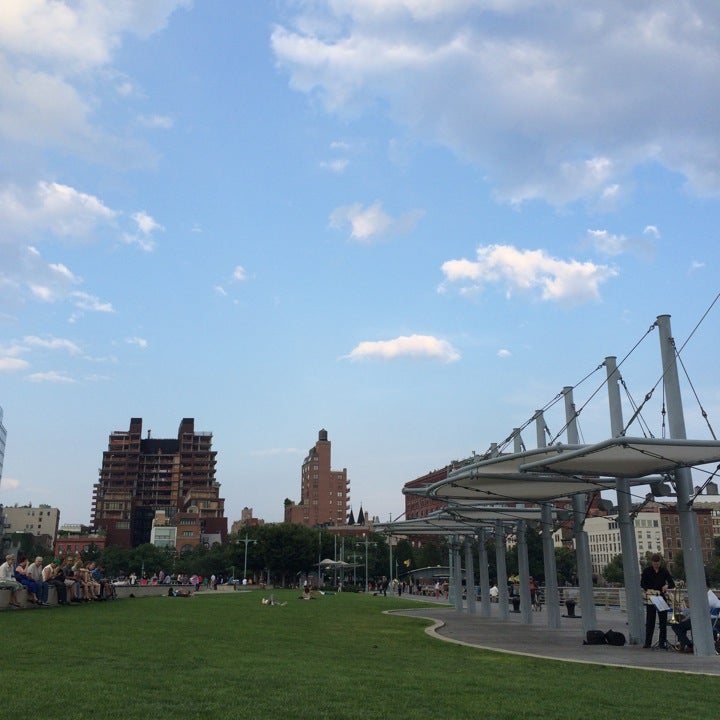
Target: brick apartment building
420,506
140,477
324,492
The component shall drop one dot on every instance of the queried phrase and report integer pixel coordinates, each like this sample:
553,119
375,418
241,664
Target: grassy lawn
225,655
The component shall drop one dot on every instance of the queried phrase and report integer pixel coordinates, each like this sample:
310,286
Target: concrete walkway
564,643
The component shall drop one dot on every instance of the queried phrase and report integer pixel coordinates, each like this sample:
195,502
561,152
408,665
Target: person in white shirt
35,572
681,629
8,581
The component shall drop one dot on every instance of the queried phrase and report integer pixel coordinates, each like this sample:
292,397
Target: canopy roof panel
477,489
628,457
509,463
460,520
428,526
491,513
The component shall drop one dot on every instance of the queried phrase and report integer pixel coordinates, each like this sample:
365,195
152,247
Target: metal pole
367,586
245,565
689,527
524,570
484,574
390,577
469,576
552,599
457,574
502,578
628,541
582,542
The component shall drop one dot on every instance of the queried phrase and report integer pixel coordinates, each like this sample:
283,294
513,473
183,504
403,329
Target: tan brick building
324,492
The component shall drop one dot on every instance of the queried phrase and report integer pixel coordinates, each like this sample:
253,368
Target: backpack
595,637
612,637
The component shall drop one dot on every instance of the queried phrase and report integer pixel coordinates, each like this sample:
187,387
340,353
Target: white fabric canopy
628,457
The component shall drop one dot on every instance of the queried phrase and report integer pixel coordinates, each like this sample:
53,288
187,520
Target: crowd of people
74,580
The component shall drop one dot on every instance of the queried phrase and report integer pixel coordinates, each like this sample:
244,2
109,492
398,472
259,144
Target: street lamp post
367,545
247,540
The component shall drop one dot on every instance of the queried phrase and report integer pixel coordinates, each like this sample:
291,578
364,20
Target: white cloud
337,166
406,346
503,353
12,364
51,376
158,122
372,222
85,301
49,50
52,343
52,208
516,270
239,274
609,244
561,91
140,342
146,226
9,483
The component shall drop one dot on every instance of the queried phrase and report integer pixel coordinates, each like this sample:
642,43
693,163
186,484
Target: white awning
628,458
519,488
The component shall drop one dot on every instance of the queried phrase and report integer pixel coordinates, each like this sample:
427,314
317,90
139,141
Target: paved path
564,643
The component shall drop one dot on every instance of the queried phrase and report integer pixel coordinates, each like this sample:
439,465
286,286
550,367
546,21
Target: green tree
286,550
613,571
535,556
566,564
676,566
115,560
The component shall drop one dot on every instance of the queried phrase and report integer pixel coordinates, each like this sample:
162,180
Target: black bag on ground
595,637
613,637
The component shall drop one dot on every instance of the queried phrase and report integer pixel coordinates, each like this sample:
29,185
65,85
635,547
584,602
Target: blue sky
410,222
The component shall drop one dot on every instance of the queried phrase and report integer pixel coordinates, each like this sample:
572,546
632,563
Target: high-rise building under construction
141,476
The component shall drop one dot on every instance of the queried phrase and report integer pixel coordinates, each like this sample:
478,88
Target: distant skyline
408,222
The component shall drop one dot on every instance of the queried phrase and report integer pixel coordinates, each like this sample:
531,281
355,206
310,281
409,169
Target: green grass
225,655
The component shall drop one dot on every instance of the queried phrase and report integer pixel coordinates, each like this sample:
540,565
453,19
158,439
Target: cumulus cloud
9,483
10,360
45,213
52,343
145,226
372,222
610,244
51,208
52,376
140,342
567,281
337,166
503,353
158,122
49,49
86,301
12,364
415,346
560,91
239,274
